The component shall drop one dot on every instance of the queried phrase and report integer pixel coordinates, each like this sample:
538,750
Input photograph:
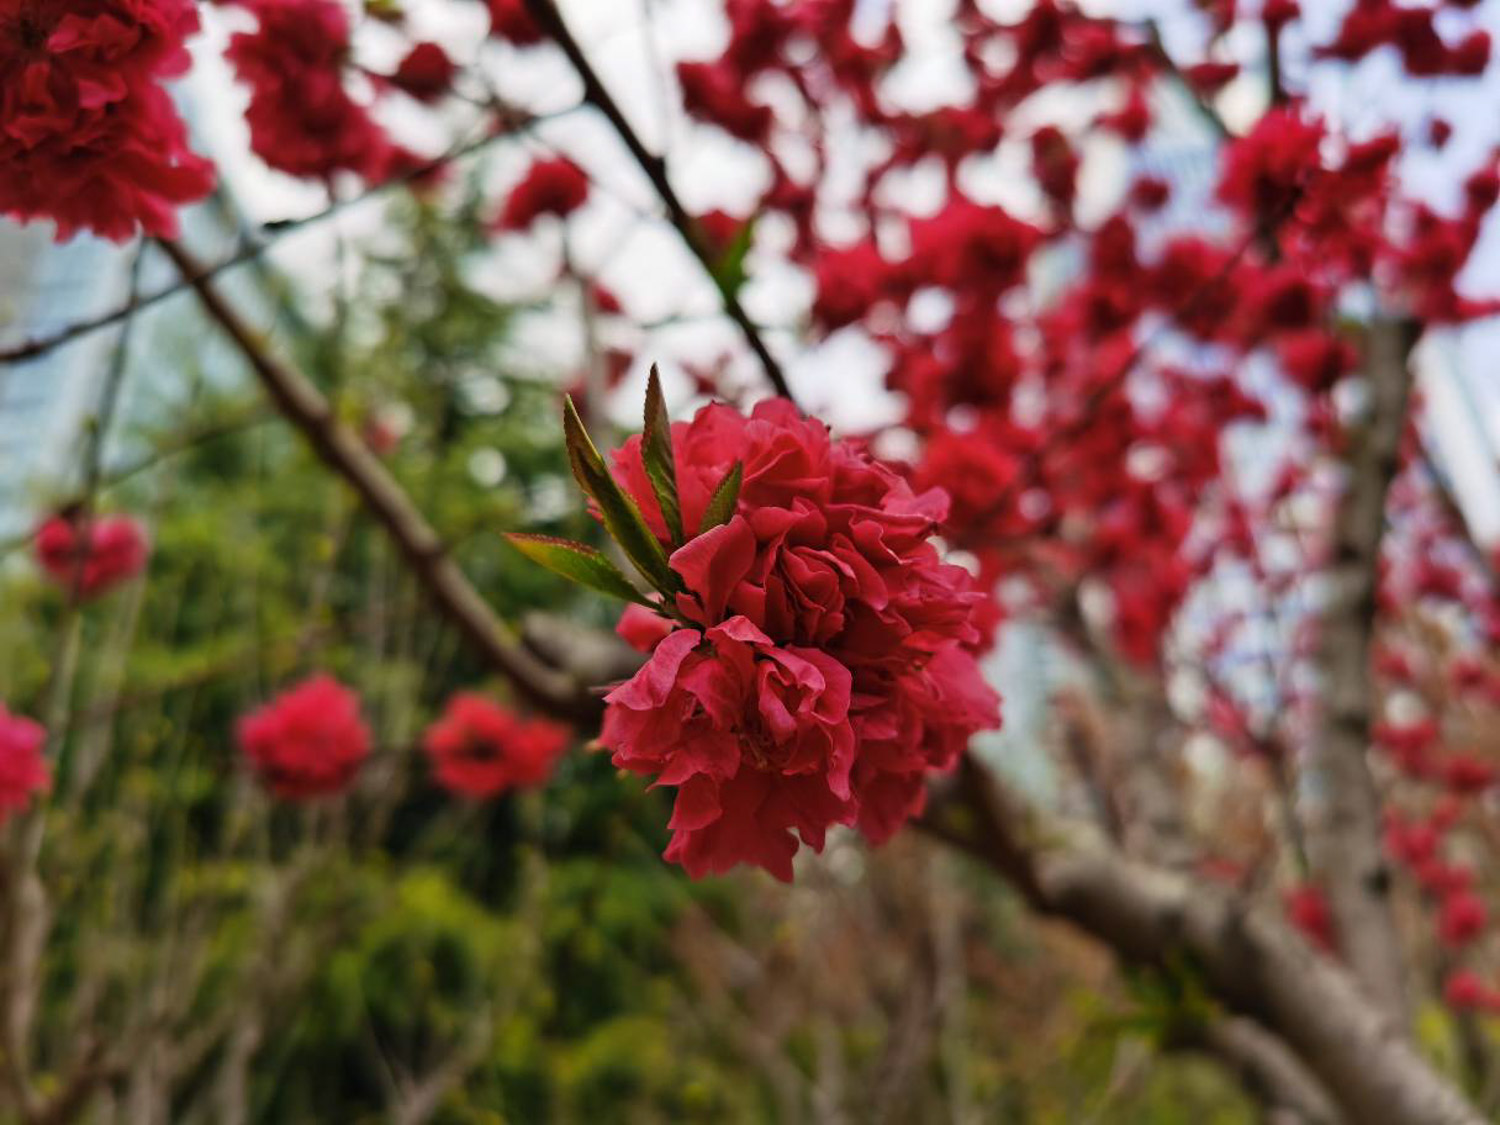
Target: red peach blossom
307,742
480,749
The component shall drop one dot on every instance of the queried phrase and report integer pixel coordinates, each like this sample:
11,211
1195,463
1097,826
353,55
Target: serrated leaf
622,519
577,562
726,496
657,456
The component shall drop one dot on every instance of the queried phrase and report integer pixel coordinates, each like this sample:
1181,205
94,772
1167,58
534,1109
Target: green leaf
656,454
622,519
729,268
578,562
722,503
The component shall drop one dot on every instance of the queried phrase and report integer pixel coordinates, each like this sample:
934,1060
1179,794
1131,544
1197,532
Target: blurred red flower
480,749
307,742
116,552
23,770
550,187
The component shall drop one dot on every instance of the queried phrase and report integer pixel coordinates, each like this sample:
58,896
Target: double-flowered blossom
820,662
91,556
307,742
89,137
480,749
23,770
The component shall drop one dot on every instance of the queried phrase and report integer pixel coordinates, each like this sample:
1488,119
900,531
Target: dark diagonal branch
546,14
301,404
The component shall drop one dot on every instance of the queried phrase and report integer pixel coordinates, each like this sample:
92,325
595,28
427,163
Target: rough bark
1344,835
1270,1073
1253,963
339,448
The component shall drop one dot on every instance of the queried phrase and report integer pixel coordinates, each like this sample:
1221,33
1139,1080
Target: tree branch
426,555
1254,964
547,16
1345,831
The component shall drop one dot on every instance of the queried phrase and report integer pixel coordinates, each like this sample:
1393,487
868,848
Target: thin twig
253,247
546,14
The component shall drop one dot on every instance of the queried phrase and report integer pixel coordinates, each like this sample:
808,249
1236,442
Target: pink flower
307,742
480,749
116,552
826,667
1307,909
426,73
1461,918
302,119
550,187
23,770
510,21
89,137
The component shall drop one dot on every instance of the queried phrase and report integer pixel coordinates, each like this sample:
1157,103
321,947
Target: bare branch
546,14
425,553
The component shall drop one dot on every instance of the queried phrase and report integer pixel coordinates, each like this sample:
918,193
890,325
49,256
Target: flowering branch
425,553
546,14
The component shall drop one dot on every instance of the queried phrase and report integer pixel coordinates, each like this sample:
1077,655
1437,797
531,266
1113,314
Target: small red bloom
1466,992
550,187
23,770
1461,918
307,742
302,119
711,92
426,73
116,552
480,749
1267,169
1150,193
849,282
510,21
1307,909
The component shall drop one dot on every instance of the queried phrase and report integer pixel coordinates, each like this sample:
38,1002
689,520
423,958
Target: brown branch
1345,831
1254,964
547,16
1267,1070
424,552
